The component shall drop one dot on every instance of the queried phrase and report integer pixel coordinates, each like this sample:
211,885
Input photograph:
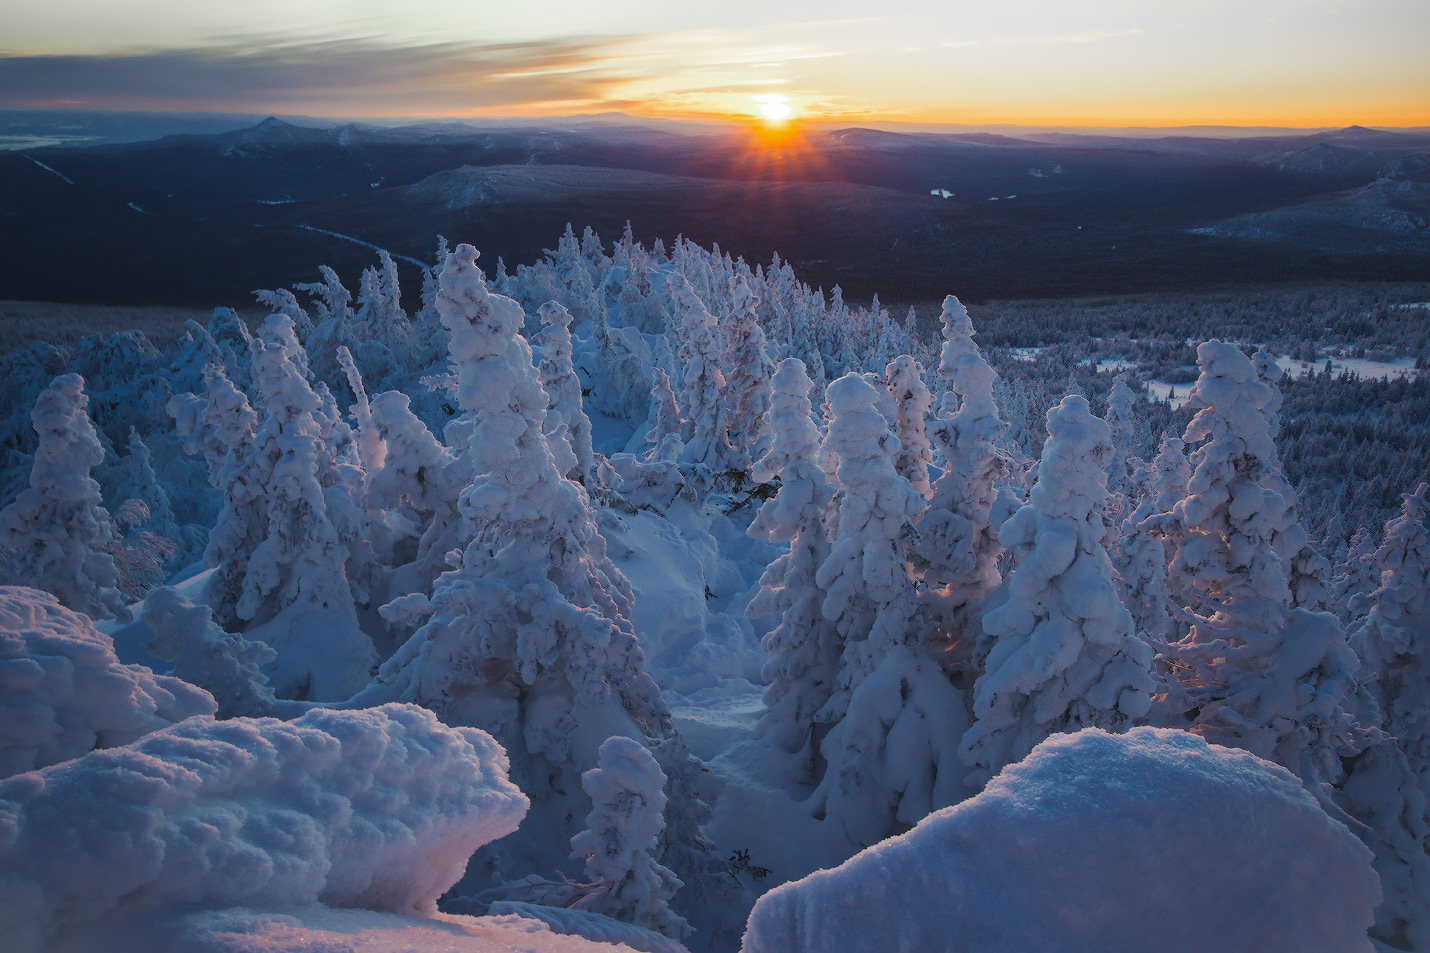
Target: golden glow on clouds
1040,62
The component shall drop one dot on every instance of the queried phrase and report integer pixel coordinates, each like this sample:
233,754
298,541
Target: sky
1288,63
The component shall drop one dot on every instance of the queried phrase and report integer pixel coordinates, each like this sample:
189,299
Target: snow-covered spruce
627,791
1122,423
529,635
218,425
1238,521
747,385
1278,681
904,378
1063,655
65,693
419,482
1394,638
1141,558
376,809
563,390
804,647
57,527
1386,808
957,548
226,665
869,591
279,565
665,419
892,753
707,439
992,872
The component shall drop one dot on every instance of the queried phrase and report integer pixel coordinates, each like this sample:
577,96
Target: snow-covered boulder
64,693
376,809
1101,843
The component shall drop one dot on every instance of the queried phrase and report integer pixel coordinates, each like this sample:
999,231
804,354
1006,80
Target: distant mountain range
205,216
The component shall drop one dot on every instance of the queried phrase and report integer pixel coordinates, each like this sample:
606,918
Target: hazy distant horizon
48,126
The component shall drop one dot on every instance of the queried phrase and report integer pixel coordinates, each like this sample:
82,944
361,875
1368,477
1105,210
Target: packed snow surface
1098,842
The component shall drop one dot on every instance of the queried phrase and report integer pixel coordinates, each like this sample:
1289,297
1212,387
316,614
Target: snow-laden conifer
1260,675
708,438
869,589
227,666
58,526
957,548
1063,656
563,390
627,792
747,385
904,378
218,425
1394,639
1141,559
804,647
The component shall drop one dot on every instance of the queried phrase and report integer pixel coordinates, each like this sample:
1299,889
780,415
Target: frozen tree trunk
58,526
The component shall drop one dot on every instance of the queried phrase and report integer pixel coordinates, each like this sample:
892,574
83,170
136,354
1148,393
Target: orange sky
1293,63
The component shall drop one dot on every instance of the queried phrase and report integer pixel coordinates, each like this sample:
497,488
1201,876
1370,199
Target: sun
773,108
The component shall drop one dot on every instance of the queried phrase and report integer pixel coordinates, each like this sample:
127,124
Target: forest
642,598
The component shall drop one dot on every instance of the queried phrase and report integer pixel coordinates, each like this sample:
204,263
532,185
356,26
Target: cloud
1060,39
335,76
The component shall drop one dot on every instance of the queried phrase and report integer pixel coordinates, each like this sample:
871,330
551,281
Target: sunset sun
773,108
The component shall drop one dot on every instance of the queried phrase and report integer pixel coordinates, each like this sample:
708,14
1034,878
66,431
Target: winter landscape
567,548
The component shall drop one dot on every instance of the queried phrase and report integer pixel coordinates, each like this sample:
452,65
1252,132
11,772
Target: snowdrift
1097,842
377,809
64,693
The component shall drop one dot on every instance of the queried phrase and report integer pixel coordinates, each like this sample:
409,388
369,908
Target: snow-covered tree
226,665
1394,638
869,589
1063,654
904,378
529,636
1238,521
1260,675
563,390
219,425
275,549
804,647
957,548
1122,422
58,526
627,791
419,482
707,434
665,419
1141,559
748,382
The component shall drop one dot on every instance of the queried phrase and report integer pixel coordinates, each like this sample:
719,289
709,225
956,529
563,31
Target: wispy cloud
1058,39
341,74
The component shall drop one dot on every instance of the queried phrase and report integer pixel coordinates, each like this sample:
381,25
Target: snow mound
378,809
1098,842
324,930
591,925
64,693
